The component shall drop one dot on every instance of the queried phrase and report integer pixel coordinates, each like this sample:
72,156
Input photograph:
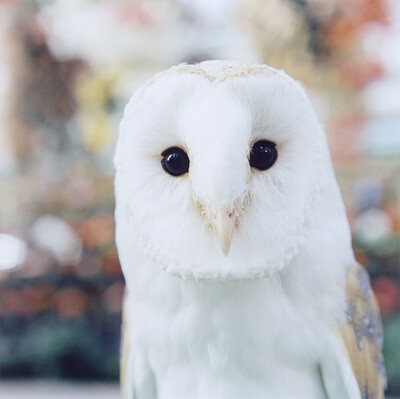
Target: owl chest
230,341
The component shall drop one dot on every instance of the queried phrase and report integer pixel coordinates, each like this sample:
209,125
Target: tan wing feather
362,335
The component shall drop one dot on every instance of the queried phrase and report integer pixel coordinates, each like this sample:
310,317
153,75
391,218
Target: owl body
206,339
236,265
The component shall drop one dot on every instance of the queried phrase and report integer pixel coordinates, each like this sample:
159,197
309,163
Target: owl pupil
175,161
263,155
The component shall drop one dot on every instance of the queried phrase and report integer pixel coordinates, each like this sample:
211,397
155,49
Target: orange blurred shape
361,257
97,231
373,11
113,297
393,210
135,14
112,266
70,302
360,73
36,299
342,32
351,217
344,134
387,294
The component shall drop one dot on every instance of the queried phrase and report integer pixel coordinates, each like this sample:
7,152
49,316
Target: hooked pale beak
224,226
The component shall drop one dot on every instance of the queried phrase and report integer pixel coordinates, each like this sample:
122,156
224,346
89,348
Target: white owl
234,242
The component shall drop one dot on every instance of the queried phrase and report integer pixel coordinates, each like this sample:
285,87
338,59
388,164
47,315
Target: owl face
219,169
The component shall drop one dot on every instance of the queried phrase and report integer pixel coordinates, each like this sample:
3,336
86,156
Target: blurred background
67,68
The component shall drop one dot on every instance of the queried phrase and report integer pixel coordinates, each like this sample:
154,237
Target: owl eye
175,161
263,154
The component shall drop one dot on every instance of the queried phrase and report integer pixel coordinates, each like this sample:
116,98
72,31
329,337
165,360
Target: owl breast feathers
235,246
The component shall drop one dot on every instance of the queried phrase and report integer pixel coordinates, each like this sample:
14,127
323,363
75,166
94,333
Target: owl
233,239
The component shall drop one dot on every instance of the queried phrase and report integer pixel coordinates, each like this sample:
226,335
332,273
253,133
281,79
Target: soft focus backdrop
67,68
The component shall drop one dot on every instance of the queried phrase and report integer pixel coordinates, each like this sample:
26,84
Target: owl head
219,170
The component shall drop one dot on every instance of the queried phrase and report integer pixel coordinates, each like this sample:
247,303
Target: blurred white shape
6,155
383,97
56,236
103,33
383,41
149,35
212,12
372,226
12,251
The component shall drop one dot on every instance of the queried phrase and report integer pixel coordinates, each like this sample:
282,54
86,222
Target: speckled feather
362,335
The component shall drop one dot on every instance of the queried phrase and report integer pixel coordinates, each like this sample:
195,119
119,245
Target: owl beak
224,226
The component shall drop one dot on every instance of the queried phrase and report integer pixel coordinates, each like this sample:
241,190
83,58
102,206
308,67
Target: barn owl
232,235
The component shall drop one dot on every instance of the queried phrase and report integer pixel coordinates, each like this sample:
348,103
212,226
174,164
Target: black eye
175,161
263,154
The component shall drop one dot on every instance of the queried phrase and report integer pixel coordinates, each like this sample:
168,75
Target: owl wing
362,335
353,367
